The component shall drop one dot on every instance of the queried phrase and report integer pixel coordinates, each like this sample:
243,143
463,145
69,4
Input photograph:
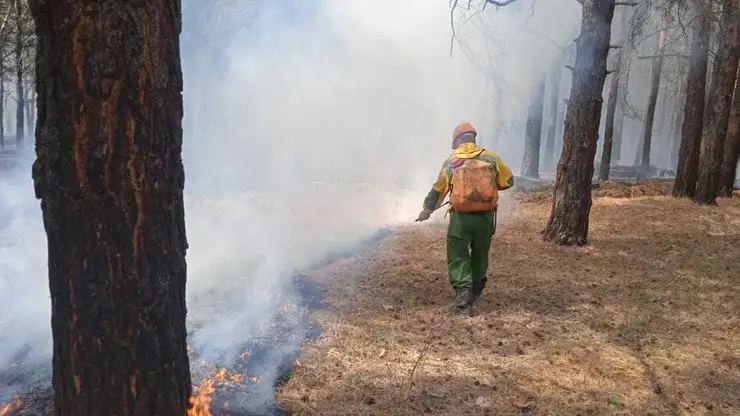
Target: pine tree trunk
611,108
568,224
555,77
19,119
687,171
30,104
532,143
732,145
647,137
110,179
718,110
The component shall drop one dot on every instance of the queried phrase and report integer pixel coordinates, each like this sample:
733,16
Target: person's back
473,176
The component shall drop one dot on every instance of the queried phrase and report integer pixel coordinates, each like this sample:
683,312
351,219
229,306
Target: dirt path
643,321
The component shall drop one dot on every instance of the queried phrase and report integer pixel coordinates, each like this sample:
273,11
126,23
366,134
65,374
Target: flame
255,379
200,401
220,375
244,354
5,409
236,378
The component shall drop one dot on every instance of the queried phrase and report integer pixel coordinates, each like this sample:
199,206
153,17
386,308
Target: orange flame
220,375
236,378
200,401
5,409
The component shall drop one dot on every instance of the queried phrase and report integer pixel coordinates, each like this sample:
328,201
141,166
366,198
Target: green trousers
469,237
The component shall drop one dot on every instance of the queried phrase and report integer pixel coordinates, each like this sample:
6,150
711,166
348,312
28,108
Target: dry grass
643,321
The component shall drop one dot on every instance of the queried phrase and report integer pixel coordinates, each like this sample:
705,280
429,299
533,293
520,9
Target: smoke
309,125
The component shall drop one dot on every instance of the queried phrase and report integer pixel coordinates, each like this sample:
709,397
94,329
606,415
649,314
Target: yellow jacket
504,177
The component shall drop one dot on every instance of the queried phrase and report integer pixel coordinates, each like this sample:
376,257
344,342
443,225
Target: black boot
478,288
464,301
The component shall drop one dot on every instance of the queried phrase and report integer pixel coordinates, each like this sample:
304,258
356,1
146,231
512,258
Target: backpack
473,186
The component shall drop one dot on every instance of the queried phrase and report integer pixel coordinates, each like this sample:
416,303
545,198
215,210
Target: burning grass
642,321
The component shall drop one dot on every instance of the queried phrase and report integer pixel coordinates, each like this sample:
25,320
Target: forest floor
642,321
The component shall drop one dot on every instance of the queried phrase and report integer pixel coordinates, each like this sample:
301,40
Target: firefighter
473,176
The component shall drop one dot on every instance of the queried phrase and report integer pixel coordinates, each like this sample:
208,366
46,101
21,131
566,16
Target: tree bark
647,137
19,119
569,217
732,144
532,143
555,76
611,108
110,179
718,110
687,170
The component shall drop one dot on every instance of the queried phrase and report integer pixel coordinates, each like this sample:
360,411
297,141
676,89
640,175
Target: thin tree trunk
611,108
569,216
555,76
696,81
30,105
19,119
678,111
647,137
718,110
732,144
110,178
532,143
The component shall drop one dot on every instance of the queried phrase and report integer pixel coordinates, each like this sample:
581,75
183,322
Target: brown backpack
473,187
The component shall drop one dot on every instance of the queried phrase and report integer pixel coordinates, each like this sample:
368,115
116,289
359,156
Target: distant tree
554,79
687,171
719,106
533,135
620,70
110,178
655,73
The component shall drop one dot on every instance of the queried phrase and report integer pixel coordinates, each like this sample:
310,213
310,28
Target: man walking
473,176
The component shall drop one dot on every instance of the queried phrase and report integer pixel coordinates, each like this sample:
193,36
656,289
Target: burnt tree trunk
732,144
687,170
647,137
718,110
110,179
555,77
611,108
19,119
571,205
531,160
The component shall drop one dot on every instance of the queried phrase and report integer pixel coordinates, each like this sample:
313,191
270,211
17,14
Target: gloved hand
424,215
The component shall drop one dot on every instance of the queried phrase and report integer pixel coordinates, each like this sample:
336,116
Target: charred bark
569,217
732,145
611,108
718,110
110,179
19,119
533,139
647,137
687,171
555,77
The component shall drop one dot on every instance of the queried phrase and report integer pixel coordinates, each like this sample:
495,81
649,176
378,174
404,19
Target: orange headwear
462,128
